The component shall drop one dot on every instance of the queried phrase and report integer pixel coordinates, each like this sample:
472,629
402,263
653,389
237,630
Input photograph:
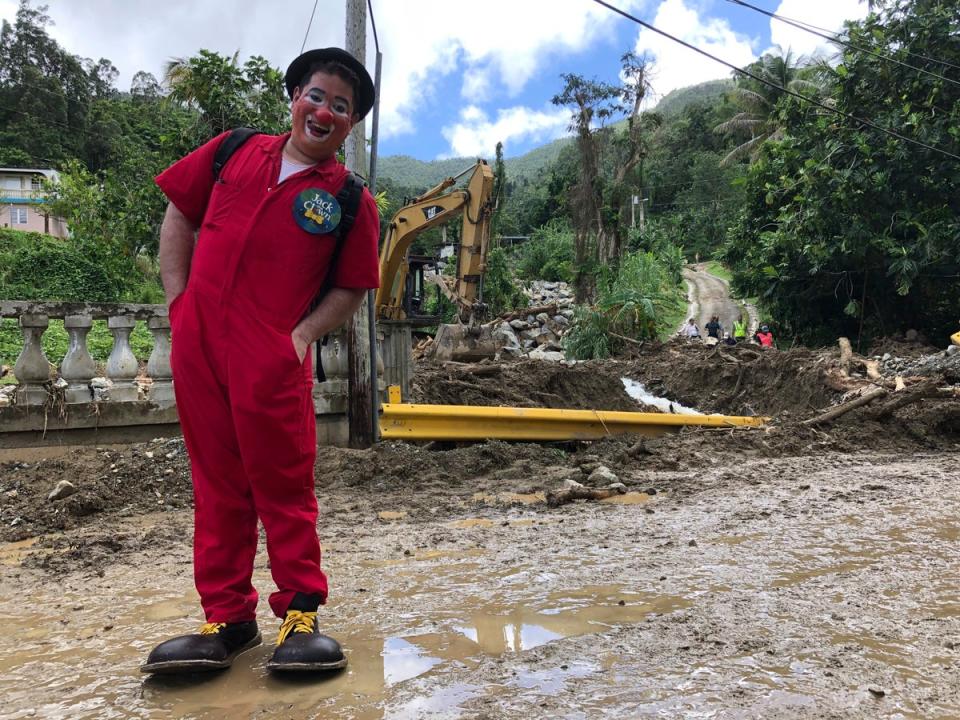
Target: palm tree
758,101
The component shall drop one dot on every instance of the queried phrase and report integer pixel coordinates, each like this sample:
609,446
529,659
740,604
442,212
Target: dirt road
710,295
783,573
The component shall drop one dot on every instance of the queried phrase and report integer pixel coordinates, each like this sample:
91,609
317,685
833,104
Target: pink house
23,201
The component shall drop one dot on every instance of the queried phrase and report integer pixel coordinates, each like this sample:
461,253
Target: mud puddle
811,587
87,656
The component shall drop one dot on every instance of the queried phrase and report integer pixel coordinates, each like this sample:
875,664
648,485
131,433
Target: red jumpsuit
243,397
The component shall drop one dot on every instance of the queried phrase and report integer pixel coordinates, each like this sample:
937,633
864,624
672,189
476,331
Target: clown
242,258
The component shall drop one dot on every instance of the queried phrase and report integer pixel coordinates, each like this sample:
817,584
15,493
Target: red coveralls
243,397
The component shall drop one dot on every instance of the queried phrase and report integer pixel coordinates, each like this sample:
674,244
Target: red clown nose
323,116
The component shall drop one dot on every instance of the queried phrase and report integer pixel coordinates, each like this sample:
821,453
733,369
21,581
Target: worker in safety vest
764,336
739,330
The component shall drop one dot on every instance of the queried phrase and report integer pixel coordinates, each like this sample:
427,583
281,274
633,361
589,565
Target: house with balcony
23,201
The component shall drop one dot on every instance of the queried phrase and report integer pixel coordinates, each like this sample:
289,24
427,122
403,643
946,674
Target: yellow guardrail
403,421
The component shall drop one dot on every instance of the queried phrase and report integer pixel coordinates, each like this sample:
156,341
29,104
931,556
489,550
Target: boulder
64,488
548,355
602,475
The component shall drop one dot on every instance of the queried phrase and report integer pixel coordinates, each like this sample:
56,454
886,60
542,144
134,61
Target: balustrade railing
78,370
74,391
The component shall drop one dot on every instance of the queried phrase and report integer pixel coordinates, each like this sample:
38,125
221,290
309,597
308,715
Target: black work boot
300,646
213,648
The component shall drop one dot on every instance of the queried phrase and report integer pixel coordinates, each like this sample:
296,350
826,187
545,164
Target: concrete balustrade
134,406
32,368
78,367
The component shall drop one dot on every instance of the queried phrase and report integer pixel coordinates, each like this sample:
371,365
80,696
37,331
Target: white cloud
497,43
476,135
829,15
488,51
139,35
677,66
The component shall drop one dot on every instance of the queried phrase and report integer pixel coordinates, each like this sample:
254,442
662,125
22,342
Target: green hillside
674,102
406,171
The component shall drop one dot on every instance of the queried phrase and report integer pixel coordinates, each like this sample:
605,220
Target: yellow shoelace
298,622
211,628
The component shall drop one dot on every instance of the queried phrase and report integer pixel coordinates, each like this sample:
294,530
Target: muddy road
790,572
710,295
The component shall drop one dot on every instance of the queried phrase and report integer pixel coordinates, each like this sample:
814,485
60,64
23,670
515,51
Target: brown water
87,657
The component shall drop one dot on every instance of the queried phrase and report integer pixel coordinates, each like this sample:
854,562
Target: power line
784,90
919,56
373,24
309,25
844,43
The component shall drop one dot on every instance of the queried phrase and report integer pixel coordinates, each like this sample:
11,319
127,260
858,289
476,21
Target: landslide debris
790,386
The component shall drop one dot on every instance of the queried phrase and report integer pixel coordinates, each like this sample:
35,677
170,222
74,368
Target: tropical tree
228,95
596,203
848,230
758,101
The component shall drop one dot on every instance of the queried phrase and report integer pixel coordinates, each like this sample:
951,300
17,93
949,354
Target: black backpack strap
230,144
349,201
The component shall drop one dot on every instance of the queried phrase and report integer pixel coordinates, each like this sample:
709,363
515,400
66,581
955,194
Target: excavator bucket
464,343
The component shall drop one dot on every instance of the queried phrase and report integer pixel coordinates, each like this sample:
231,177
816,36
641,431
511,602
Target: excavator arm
437,206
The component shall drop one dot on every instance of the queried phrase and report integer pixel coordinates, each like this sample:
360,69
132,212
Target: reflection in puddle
403,660
562,615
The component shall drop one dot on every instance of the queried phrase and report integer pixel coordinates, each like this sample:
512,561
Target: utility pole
359,402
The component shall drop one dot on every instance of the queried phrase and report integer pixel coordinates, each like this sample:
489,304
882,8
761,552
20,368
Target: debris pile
536,331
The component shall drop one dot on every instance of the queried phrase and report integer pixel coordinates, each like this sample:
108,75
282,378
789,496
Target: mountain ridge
418,175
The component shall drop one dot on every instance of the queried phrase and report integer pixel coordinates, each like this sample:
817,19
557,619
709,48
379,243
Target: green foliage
548,255
758,118
229,95
847,228
500,289
34,266
589,338
639,302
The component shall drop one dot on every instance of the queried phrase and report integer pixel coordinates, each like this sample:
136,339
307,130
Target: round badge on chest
316,211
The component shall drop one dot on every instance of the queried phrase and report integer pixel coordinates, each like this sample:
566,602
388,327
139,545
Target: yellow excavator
404,277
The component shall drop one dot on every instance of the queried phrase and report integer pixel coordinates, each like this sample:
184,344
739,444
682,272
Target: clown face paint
322,118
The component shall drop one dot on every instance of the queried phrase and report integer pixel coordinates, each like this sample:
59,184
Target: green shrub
635,303
500,291
549,254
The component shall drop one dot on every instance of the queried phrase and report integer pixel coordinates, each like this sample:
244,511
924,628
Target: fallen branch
905,398
638,343
842,409
572,490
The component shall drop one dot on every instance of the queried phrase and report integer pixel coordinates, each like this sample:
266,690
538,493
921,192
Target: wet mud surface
709,296
789,572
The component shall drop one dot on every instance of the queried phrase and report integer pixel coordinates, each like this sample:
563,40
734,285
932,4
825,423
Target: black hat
299,67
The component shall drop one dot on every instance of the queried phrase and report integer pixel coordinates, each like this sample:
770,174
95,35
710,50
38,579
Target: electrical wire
309,25
784,90
919,56
844,43
373,24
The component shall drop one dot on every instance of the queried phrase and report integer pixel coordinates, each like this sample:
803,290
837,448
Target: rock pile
946,363
537,335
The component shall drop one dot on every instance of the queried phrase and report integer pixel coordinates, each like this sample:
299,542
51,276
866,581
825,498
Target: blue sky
458,77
